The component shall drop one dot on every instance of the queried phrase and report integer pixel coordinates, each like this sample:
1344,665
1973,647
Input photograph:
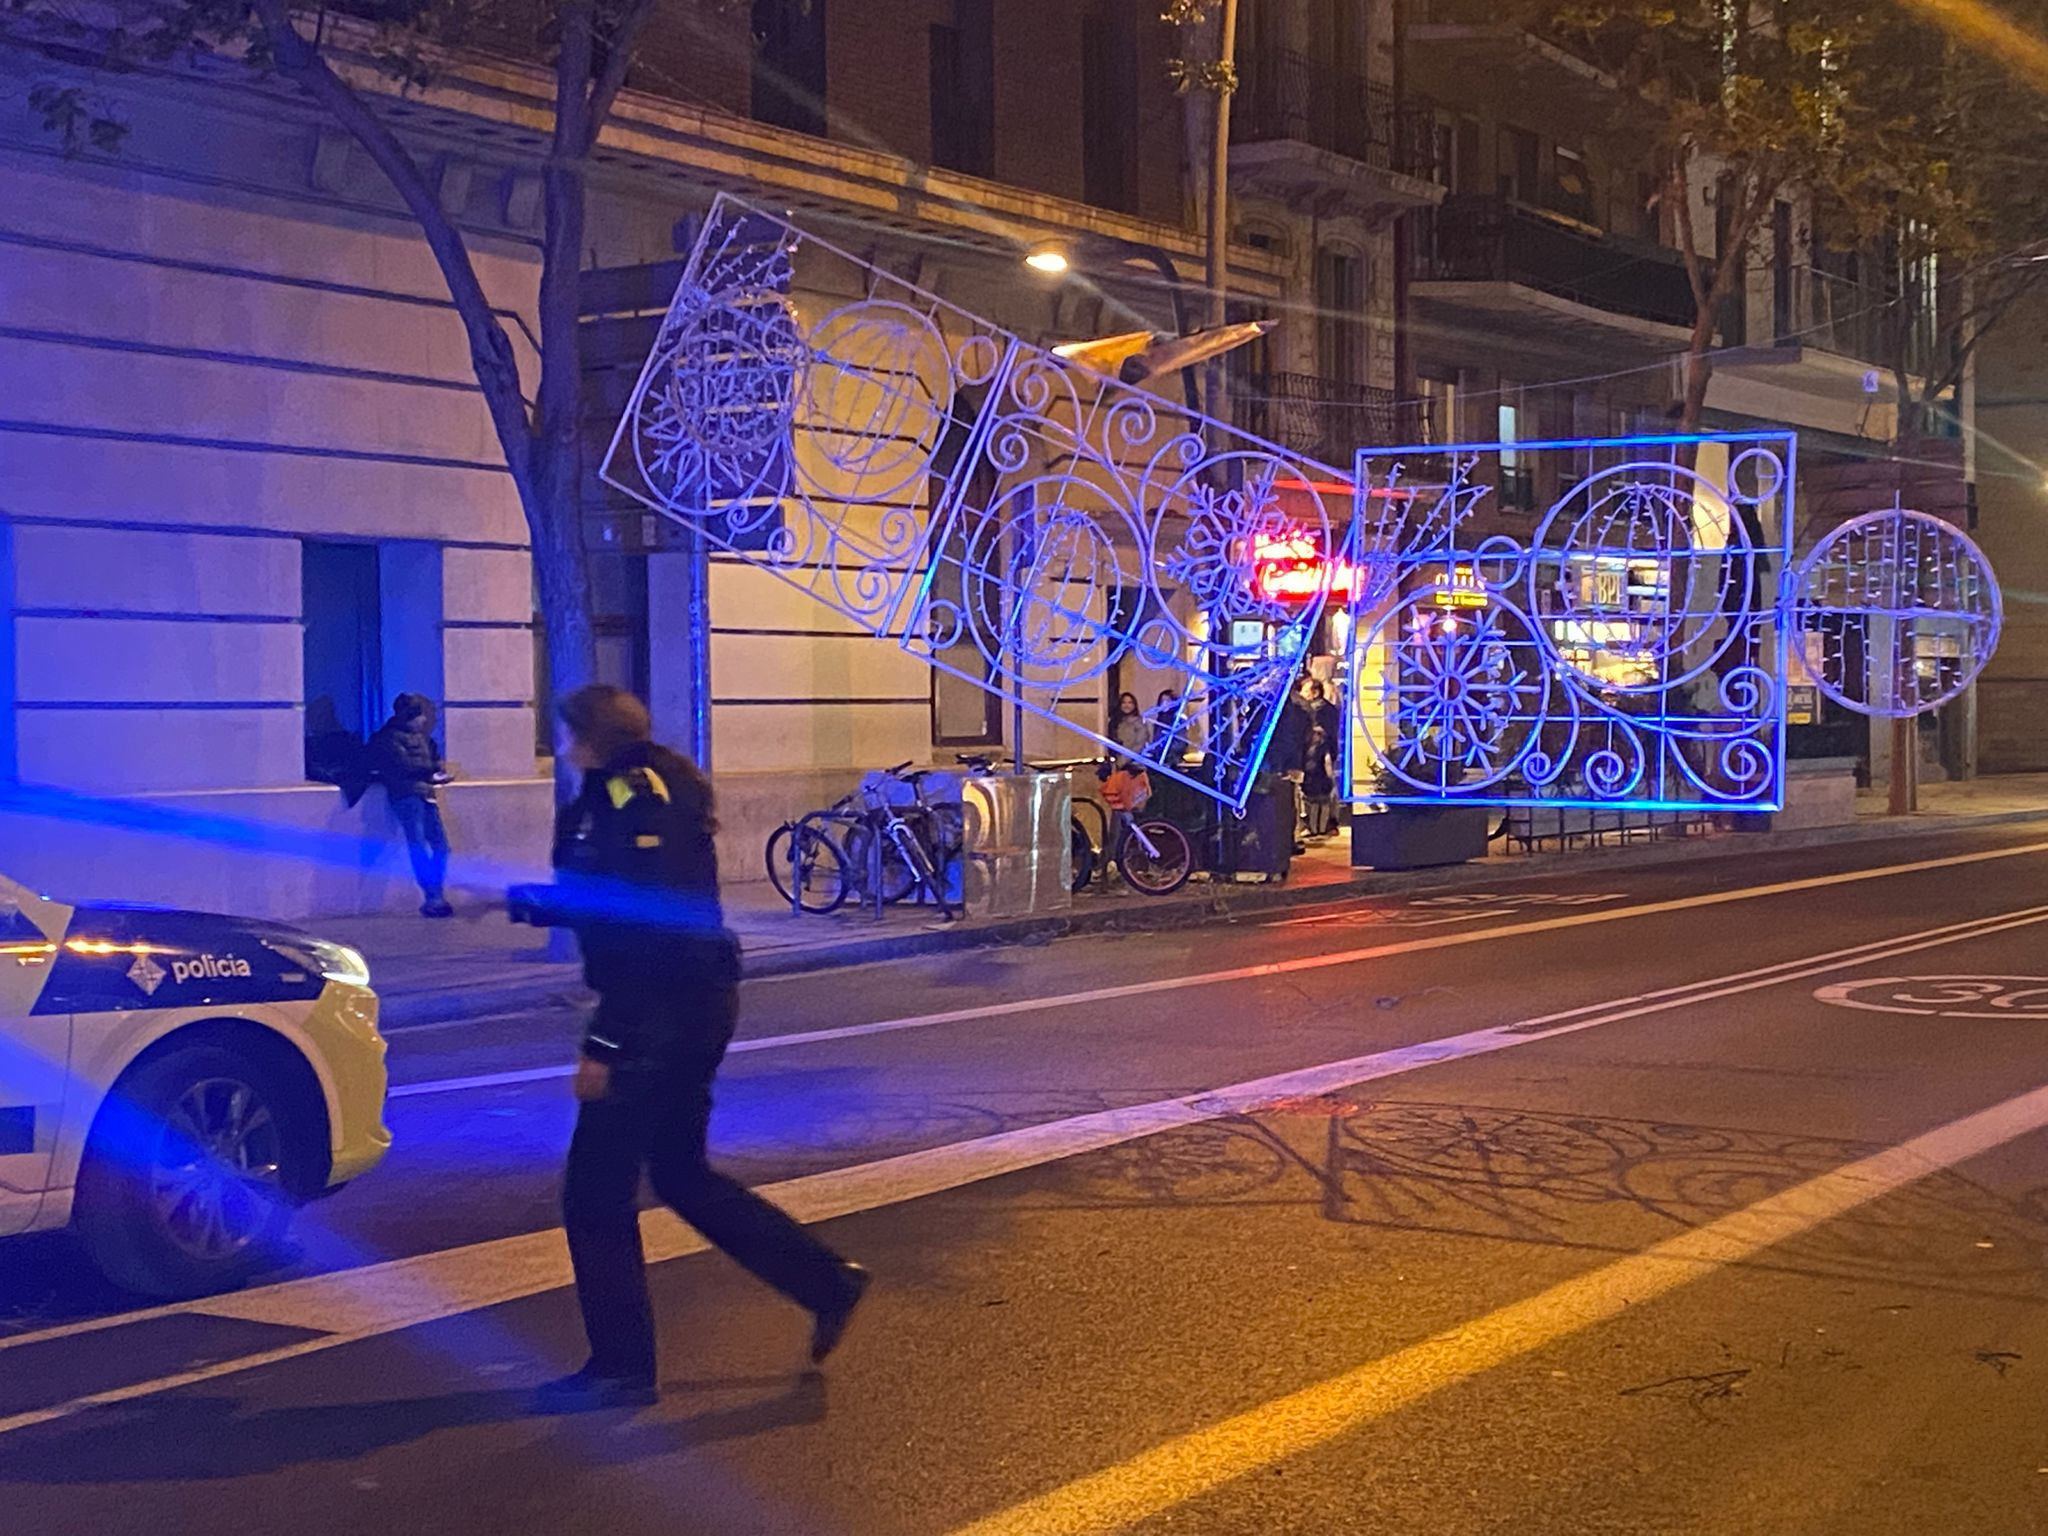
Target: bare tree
348,65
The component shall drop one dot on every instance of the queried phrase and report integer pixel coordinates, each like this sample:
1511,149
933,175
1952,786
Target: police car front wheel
185,1187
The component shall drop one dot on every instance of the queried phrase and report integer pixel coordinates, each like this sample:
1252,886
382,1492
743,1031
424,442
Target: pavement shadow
1548,1177
179,1438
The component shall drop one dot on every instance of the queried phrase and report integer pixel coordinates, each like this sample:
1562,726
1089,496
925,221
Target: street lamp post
1053,260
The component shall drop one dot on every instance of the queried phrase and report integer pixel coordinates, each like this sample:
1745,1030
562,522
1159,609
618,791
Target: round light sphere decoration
1894,613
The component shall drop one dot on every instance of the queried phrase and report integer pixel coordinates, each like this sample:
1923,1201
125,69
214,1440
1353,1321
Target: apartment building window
963,95
1437,408
1571,189
1782,322
1517,169
789,64
1109,105
1340,289
965,713
342,617
1517,482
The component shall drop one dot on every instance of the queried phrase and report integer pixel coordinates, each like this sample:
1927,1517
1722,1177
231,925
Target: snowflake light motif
1215,558
1463,696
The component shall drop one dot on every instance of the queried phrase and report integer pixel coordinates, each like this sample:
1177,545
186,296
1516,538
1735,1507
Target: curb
1222,905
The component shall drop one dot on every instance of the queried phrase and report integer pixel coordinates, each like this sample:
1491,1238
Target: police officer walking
638,881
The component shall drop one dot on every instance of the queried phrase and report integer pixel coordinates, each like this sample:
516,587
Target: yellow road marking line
355,1304
1191,1465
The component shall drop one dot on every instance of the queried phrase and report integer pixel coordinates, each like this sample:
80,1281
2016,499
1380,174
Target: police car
172,1084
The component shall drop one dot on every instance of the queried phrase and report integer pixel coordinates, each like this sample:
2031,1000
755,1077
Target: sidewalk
478,962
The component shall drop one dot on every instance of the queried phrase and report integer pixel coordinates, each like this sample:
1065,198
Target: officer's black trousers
658,1121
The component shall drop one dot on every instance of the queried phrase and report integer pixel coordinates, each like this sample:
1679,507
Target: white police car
172,1084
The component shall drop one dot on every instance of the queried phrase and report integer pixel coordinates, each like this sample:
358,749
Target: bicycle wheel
1083,854
914,853
898,878
1161,868
807,867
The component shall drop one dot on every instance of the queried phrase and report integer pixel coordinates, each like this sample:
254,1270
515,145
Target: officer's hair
608,720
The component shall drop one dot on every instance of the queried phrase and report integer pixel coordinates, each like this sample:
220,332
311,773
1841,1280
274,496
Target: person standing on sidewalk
638,881
405,759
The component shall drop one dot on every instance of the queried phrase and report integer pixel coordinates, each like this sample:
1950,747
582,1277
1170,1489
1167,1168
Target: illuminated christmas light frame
983,502
1625,653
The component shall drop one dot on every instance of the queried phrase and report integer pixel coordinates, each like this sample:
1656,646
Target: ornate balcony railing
1327,418
1494,239
1287,96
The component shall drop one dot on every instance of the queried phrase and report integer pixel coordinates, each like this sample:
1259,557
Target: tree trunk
1699,371
561,570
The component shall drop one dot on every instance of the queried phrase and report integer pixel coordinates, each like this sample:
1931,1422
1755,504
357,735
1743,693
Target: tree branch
1680,184
619,49
497,368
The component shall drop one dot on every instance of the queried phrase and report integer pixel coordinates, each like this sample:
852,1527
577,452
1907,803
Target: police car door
35,1051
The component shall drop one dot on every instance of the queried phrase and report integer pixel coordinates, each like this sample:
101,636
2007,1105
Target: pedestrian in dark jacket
407,762
638,881
1323,711
1319,784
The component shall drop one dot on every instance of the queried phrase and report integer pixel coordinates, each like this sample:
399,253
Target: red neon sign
1291,568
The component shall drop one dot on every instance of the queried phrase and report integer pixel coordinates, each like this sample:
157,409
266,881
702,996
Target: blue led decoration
1594,622
1009,516
1894,613
1620,647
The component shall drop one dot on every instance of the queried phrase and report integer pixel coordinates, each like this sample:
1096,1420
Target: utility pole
1219,198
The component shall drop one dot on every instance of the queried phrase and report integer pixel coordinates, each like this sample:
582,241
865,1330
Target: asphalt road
1707,1198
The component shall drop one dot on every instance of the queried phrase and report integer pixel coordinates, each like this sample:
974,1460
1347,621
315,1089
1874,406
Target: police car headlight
330,962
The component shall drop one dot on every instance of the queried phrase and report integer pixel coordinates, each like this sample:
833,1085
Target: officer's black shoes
830,1326
586,1391
437,907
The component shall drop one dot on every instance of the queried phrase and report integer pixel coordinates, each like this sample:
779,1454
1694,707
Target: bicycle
863,846
1153,854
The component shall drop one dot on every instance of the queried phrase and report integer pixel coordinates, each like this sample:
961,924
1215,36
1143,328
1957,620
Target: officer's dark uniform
639,878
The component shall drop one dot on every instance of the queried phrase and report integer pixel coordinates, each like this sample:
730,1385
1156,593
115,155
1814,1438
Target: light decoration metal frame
1024,523
1906,610
1006,515
1628,653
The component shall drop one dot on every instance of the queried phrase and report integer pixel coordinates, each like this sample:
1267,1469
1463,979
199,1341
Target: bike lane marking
351,1305
1266,968
1186,1467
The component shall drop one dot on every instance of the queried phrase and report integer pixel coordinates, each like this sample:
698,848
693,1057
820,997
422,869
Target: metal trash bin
1019,859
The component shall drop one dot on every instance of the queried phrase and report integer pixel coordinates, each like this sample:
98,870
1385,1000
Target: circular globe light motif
1894,613
876,401
1652,575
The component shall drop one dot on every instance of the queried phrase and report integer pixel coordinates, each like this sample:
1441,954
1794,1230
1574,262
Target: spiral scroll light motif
1907,610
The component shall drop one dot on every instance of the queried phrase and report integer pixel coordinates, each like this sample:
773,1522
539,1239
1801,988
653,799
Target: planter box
1417,837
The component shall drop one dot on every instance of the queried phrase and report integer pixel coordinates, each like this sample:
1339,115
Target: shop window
344,651
789,64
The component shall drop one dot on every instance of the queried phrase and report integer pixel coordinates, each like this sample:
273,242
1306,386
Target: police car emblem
146,974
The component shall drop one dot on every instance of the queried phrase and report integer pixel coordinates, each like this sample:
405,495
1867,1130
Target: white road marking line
1250,972
378,1299
1188,1466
